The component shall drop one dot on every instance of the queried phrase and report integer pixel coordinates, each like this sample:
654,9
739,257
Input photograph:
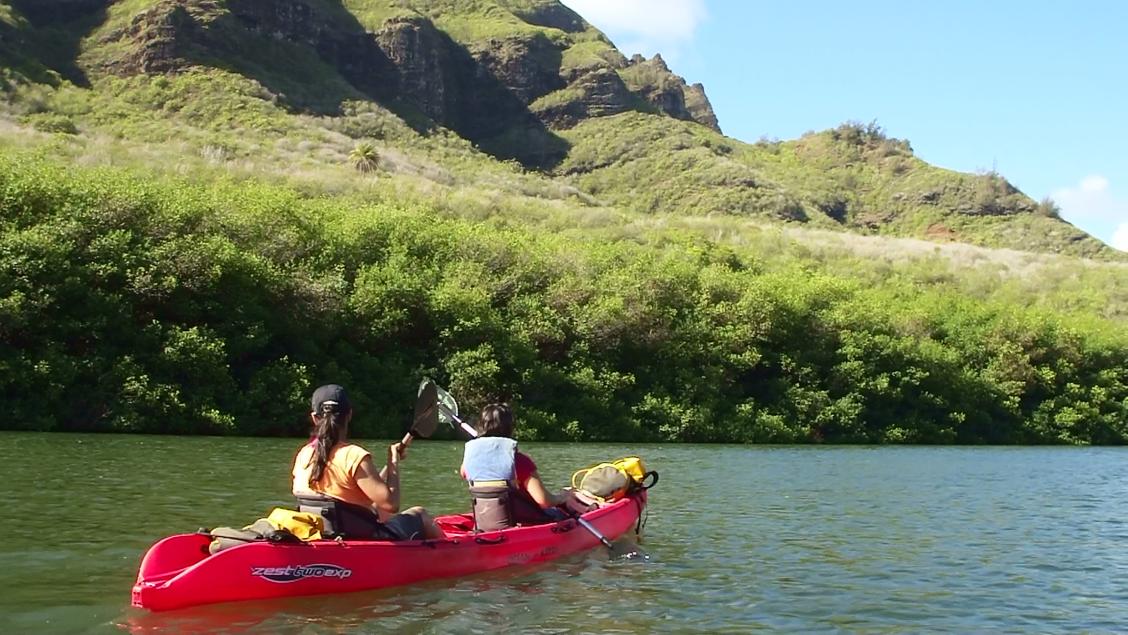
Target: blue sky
1036,90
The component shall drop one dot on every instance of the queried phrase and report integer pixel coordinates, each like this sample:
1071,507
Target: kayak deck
178,572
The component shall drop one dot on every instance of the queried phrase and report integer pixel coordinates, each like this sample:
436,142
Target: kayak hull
177,571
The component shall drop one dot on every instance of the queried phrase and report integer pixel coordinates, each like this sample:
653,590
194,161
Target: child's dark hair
496,421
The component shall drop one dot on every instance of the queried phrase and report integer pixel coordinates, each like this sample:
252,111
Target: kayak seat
496,505
343,520
491,505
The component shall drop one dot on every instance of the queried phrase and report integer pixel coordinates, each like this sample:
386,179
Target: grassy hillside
175,176
852,178
210,76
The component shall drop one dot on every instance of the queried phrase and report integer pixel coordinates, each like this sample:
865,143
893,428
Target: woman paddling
504,483
338,480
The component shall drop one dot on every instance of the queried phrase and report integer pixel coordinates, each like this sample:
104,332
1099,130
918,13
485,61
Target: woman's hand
396,453
573,501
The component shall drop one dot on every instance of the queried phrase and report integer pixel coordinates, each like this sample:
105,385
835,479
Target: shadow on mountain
479,106
315,59
59,28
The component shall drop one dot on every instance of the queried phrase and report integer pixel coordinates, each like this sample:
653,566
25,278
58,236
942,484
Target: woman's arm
399,452
535,487
381,488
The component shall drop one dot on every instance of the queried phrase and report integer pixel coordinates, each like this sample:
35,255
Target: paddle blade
426,410
627,549
448,413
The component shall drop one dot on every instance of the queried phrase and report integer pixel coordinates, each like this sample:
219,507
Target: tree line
143,304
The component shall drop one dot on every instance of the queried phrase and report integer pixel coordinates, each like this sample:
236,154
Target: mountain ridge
524,80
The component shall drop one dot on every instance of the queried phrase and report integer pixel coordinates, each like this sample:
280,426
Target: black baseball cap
331,394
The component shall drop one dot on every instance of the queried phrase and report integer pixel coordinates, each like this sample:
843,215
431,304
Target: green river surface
740,539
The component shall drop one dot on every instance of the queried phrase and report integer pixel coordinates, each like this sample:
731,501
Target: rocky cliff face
698,107
462,91
527,67
339,42
171,35
162,36
484,89
661,88
426,70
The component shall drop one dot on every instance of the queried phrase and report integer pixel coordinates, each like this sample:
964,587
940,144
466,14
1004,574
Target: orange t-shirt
339,477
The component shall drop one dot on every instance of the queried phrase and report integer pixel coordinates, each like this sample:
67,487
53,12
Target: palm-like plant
364,157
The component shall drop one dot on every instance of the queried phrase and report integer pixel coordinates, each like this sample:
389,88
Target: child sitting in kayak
504,483
338,479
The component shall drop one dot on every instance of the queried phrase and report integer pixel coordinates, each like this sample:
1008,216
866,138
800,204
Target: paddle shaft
595,532
466,427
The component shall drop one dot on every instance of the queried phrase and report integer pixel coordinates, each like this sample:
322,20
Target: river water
785,539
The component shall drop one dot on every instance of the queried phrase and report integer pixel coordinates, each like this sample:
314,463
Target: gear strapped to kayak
611,481
280,526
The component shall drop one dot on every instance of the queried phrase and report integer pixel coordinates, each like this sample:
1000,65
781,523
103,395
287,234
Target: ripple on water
740,539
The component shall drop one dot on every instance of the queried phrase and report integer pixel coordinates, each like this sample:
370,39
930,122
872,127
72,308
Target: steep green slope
853,177
473,67
303,83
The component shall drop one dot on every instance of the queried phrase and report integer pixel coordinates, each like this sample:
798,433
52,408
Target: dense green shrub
50,122
161,306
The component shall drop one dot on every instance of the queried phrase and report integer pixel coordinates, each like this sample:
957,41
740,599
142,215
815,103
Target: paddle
595,532
447,409
426,417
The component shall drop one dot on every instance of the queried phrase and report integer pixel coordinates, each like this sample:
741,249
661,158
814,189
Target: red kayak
178,571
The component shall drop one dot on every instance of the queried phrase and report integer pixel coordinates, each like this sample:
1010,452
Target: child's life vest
490,465
490,459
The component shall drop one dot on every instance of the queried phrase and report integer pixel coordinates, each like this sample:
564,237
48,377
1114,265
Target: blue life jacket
490,459
491,471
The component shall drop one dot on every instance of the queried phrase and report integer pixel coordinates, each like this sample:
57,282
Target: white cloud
1094,183
645,26
1092,206
1091,199
1120,237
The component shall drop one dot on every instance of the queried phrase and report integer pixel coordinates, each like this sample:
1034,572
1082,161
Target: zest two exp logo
292,573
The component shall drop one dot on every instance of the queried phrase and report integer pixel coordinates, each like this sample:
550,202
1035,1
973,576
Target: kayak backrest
322,506
342,520
491,506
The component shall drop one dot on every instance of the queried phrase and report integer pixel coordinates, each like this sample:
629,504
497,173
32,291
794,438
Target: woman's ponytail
327,433
331,410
